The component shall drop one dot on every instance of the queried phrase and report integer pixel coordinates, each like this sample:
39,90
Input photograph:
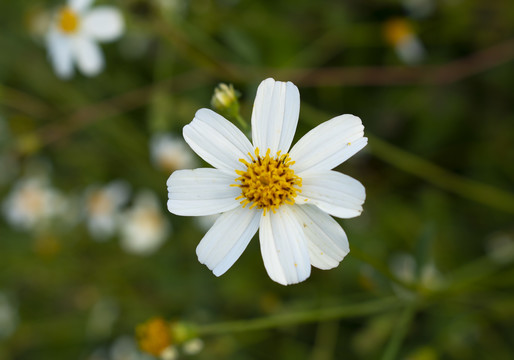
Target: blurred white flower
144,227
102,207
33,202
169,153
122,348
405,267
125,348
400,34
73,35
8,316
193,346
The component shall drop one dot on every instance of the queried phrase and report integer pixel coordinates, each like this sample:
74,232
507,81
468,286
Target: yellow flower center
68,20
397,30
268,182
154,336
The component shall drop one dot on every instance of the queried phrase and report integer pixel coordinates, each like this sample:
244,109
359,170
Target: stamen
268,182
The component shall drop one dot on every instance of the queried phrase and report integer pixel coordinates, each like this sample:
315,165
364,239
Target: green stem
317,315
415,165
241,121
394,345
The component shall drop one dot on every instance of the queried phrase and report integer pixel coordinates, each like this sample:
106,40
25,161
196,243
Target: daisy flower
33,202
102,207
144,227
169,152
73,35
400,34
289,194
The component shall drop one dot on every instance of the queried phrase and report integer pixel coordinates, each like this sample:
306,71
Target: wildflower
154,336
31,203
143,227
169,152
73,35
288,194
102,206
193,346
399,33
224,99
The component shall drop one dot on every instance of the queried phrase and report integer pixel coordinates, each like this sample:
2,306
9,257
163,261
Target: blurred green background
432,81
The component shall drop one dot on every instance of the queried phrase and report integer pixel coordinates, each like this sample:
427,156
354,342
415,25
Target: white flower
288,194
32,202
400,34
74,33
170,153
102,208
144,227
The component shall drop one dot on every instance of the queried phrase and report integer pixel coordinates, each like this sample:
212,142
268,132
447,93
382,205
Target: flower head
102,206
225,100
399,33
73,35
33,203
154,336
288,193
143,227
169,152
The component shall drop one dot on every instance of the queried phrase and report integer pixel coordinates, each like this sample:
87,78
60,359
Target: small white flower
144,227
193,346
399,33
170,153
32,202
74,33
125,348
102,208
288,194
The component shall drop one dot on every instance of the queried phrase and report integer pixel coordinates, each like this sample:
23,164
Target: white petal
90,60
60,53
326,240
217,141
335,193
201,192
283,247
104,23
275,116
329,144
228,238
80,5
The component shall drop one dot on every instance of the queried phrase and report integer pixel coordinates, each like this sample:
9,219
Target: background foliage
437,231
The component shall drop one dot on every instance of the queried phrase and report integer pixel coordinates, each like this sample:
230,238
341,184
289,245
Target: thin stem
317,315
415,165
241,121
24,102
396,340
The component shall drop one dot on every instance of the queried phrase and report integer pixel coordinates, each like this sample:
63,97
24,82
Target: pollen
154,336
68,20
268,182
